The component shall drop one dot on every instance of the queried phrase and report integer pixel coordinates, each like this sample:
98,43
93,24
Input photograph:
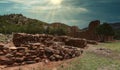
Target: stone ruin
31,49
90,33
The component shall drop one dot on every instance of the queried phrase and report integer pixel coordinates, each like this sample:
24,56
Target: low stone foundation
31,49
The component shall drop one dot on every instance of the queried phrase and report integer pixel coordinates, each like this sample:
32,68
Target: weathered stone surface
47,40
76,42
90,33
92,42
30,49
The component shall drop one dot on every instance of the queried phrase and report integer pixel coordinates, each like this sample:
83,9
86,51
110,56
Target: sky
71,12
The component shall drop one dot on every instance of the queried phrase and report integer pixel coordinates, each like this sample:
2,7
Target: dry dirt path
41,65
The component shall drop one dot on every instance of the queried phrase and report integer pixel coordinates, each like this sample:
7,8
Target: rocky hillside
22,20
18,19
19,23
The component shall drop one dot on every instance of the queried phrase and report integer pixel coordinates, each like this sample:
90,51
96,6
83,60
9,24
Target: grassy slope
91,61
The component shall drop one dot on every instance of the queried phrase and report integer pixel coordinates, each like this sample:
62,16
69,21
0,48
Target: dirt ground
40,66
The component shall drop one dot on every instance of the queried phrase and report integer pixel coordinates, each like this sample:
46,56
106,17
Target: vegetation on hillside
19,23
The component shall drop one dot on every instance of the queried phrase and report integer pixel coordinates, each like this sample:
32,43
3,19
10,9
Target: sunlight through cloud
56,2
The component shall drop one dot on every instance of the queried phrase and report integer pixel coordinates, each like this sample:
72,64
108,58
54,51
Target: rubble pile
37,52
31,49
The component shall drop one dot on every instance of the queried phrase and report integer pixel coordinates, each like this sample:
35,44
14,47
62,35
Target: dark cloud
73,12
104,10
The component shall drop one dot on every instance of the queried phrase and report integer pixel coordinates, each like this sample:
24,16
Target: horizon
61,22
74,13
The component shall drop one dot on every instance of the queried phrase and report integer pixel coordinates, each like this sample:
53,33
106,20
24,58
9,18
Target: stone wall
24,39
31,49
90,32
37,52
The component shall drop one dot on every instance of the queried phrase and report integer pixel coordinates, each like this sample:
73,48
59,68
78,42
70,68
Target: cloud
20,1
38,6
60,9
72,12
82,9
2,1
28,2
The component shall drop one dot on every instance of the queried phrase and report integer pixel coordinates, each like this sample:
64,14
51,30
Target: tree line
31,28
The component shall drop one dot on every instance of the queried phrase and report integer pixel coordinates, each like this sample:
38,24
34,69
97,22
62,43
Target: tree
105,30
117,34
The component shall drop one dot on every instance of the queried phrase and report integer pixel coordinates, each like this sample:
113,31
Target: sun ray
51,13
56,2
